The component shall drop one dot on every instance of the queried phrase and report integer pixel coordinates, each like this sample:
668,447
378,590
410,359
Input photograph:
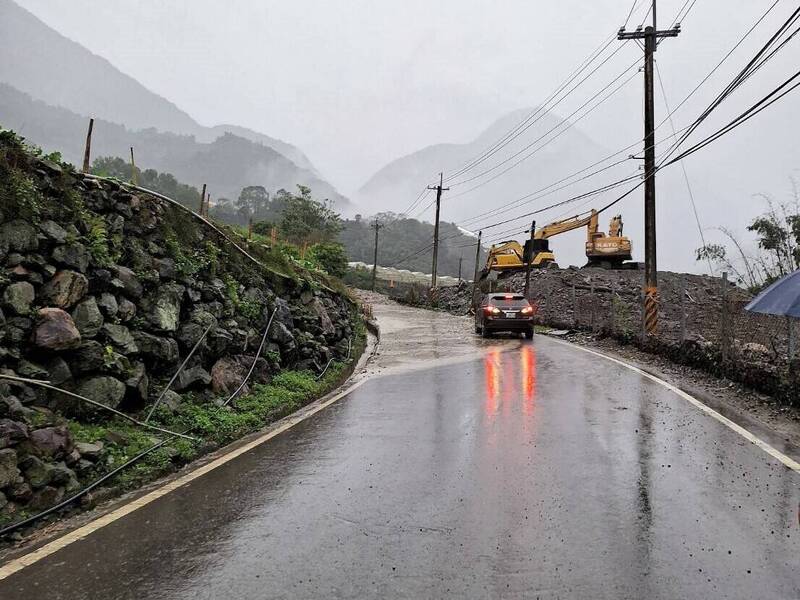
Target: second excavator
608,251
602,250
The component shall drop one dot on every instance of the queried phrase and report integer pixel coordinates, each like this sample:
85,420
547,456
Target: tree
307,220
253,203
163,183
331,257
778,242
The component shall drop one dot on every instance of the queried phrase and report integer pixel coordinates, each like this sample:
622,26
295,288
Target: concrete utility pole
439,189
460,259
134,179
377,226
477,259
650,35
202,199
528,262
87,151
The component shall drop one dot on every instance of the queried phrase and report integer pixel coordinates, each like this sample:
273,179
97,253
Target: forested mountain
226,164
41,62
50,86
406,244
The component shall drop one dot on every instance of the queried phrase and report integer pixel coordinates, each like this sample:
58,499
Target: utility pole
377,226
477,259
134,179
528,262
439,189
460,259
650,35
87,151
202,199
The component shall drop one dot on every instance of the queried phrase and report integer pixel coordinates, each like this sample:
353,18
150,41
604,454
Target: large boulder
55,330
192,377
12,432
73,255
108,304
53,231
88,356
280,334
58,371
126,310
324,319
18,236
165,307
161,349
87,318
65,289
52,442
128,282
138,383
283,314
19,297
227,374
121,337
8,467
103,389
37,472
189,334
90,450
46,497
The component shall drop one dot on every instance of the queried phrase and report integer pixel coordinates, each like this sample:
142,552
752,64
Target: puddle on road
413,338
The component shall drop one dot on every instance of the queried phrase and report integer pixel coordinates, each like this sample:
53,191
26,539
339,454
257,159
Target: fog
360,83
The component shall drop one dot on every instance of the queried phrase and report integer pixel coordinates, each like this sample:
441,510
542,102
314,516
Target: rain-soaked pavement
463,469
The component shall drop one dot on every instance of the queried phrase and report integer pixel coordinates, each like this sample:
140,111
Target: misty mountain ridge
226,164
397,184
42,65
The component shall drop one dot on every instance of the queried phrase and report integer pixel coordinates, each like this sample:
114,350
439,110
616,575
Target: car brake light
509,296
528,310
492,310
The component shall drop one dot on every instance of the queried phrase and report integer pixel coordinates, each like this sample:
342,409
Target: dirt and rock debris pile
104,291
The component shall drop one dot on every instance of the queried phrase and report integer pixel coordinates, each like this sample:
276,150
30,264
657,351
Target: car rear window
508,300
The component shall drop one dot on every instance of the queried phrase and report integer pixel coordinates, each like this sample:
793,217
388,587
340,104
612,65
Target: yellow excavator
602,250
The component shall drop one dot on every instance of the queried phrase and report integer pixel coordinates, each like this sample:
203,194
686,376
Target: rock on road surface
463,468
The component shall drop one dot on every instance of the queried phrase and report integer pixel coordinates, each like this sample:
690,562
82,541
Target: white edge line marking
776,454
84,531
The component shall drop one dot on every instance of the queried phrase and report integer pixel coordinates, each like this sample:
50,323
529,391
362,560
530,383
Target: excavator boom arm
575,222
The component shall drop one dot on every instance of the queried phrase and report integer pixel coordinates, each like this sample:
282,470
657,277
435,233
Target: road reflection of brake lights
491,363
528,360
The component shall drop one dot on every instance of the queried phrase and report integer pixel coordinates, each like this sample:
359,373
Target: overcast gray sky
357,83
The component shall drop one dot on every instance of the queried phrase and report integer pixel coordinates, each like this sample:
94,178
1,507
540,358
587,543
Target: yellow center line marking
774,452
82,532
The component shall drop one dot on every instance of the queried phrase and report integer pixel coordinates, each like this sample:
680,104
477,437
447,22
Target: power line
525,123
671,113
751,67
560,124
569,125
745,116
683,167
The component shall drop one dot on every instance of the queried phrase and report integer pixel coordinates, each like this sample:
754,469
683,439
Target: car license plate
511,315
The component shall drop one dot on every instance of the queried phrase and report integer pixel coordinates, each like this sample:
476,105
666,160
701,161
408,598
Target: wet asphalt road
517,470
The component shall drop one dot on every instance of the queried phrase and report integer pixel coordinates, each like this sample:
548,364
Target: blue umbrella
782,298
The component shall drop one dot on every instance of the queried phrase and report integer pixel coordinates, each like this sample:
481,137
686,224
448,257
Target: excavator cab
505,256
